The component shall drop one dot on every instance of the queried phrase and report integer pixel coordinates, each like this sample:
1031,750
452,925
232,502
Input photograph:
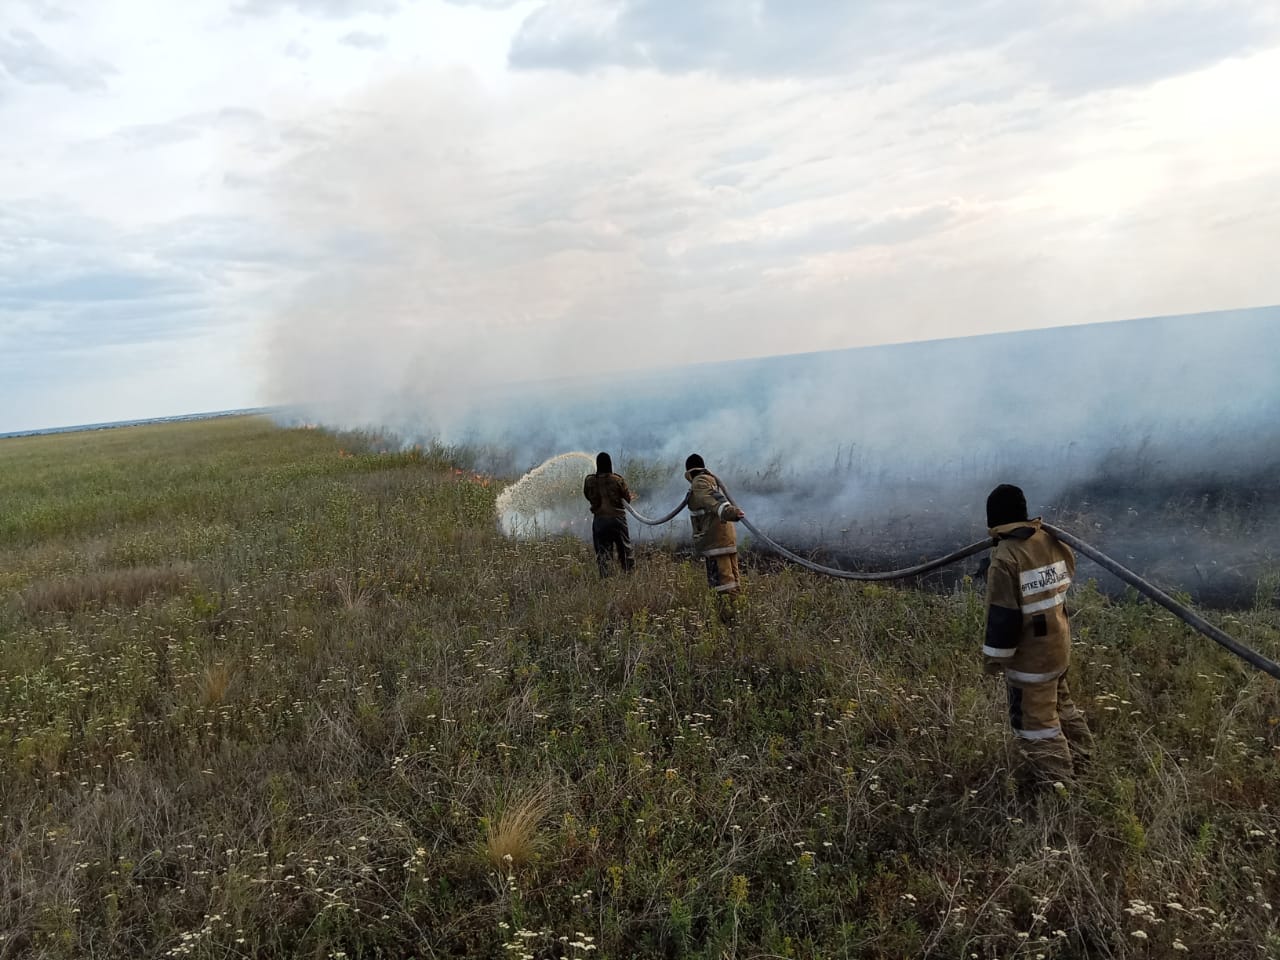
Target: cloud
85,311
486,4
191,127
765,38
28,60
49,12
330,9
1075,47
365,41
94,287
70,283
1136,44
777,248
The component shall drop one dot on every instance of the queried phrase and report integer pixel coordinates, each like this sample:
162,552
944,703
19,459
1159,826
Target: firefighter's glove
734,513
992,668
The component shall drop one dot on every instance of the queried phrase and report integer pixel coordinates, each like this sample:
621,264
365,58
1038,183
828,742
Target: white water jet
546,499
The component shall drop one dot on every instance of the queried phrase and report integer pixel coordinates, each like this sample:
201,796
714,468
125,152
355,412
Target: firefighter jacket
712,515
1027,630
607,493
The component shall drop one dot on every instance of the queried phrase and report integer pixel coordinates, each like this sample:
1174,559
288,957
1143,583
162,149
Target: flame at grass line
546,499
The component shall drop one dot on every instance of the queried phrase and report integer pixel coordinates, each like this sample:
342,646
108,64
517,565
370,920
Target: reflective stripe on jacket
1027,629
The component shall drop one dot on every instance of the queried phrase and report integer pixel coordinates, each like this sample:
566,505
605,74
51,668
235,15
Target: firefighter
1028,639
713,517
609,495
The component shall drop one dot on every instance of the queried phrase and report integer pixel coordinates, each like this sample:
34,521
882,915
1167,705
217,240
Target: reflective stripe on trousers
720,552
1017,676
1047,734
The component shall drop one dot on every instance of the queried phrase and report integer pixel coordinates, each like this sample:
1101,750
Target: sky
226,203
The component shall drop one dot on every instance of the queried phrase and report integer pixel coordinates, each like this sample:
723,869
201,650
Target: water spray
541,499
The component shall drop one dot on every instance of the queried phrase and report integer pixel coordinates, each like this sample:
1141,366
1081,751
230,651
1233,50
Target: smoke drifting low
830,446
1155,438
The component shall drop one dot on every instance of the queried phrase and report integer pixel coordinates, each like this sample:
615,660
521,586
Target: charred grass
365,725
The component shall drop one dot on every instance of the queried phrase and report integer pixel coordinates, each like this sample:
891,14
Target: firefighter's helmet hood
1006,504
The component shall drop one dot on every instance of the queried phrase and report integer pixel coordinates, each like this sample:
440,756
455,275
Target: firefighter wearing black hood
609,495
1028,638
713,517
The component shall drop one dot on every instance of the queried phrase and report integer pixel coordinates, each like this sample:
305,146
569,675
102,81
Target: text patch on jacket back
1045,578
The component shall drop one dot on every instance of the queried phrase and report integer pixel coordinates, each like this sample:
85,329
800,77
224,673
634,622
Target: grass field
266,693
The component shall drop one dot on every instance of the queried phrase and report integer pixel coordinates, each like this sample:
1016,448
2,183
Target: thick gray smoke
1156,437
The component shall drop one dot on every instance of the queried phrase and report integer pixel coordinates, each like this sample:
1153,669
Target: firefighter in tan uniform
1028,638
609,495
713,517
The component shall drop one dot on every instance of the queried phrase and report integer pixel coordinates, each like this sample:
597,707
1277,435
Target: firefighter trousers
610,535
723,579
722,573
1050,731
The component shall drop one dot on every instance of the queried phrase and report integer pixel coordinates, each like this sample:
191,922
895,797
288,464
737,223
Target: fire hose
1182,612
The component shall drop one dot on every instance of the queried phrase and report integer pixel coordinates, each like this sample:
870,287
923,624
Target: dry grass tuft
348,591
127,586
354,595
512,839
215,683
